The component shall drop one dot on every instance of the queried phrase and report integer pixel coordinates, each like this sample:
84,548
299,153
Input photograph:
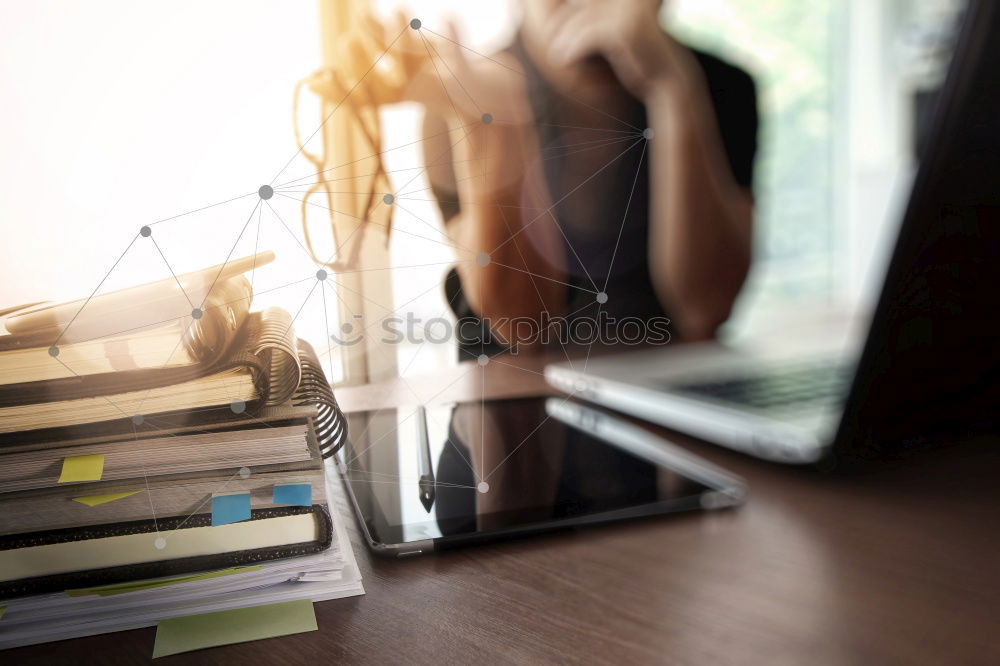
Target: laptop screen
931,365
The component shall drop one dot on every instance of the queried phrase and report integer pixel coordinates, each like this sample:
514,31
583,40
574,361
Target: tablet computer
427,479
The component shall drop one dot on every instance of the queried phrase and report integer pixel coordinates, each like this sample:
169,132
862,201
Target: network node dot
602,298
53,351
388,199
265,192
415,24
321,275
483,259
487,118
145,232
160,543
244,472
138,419
648,133
197,313
483,359
238,406
483,487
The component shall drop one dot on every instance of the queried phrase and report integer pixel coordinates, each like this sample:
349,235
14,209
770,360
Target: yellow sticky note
94,500
82,468
194,632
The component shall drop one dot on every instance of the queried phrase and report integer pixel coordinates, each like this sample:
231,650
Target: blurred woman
595,164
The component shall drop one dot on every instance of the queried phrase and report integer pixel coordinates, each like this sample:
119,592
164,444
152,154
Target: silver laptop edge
737,429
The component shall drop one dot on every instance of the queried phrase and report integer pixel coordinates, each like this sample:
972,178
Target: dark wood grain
894,565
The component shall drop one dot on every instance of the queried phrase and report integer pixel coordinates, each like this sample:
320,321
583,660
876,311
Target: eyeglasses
362,137
370,71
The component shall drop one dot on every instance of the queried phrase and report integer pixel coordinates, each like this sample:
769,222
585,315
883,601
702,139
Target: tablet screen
452,472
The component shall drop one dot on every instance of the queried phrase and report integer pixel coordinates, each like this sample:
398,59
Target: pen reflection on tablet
426,483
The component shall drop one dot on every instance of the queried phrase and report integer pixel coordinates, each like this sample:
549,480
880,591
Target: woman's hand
628,35
389,62
483,100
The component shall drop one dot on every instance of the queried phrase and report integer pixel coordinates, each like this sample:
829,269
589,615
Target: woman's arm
479,138
701,226
503,225
511,258
701,219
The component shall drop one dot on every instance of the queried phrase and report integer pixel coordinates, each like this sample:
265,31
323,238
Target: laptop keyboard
786,385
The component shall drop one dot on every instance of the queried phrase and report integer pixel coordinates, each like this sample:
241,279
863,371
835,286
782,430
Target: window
839,87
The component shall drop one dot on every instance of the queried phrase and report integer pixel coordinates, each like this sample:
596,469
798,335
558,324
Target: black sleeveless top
592,217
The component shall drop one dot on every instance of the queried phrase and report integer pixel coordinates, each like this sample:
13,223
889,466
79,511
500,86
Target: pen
426,484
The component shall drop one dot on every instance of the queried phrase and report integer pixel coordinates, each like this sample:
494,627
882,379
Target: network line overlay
628,137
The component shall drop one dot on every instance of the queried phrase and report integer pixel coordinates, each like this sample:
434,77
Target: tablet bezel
723,490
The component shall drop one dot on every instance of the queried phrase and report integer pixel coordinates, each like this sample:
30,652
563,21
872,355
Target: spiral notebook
130,499
106,554
265,365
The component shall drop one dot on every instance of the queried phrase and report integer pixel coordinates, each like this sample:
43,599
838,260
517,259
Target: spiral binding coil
315,391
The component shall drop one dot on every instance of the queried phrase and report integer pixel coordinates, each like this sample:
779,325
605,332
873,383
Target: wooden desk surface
894,566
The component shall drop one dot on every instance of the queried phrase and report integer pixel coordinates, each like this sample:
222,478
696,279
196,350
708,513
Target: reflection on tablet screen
492,466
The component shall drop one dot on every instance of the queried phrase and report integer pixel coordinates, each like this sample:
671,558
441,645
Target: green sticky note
194,632
95,500
82,468
122,588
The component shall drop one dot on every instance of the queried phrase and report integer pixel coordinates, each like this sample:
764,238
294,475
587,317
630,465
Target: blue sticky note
298,494
230,509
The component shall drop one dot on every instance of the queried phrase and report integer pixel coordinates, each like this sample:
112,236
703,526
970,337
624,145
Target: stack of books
158,461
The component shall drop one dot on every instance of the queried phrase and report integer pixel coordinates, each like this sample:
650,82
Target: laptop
926,364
